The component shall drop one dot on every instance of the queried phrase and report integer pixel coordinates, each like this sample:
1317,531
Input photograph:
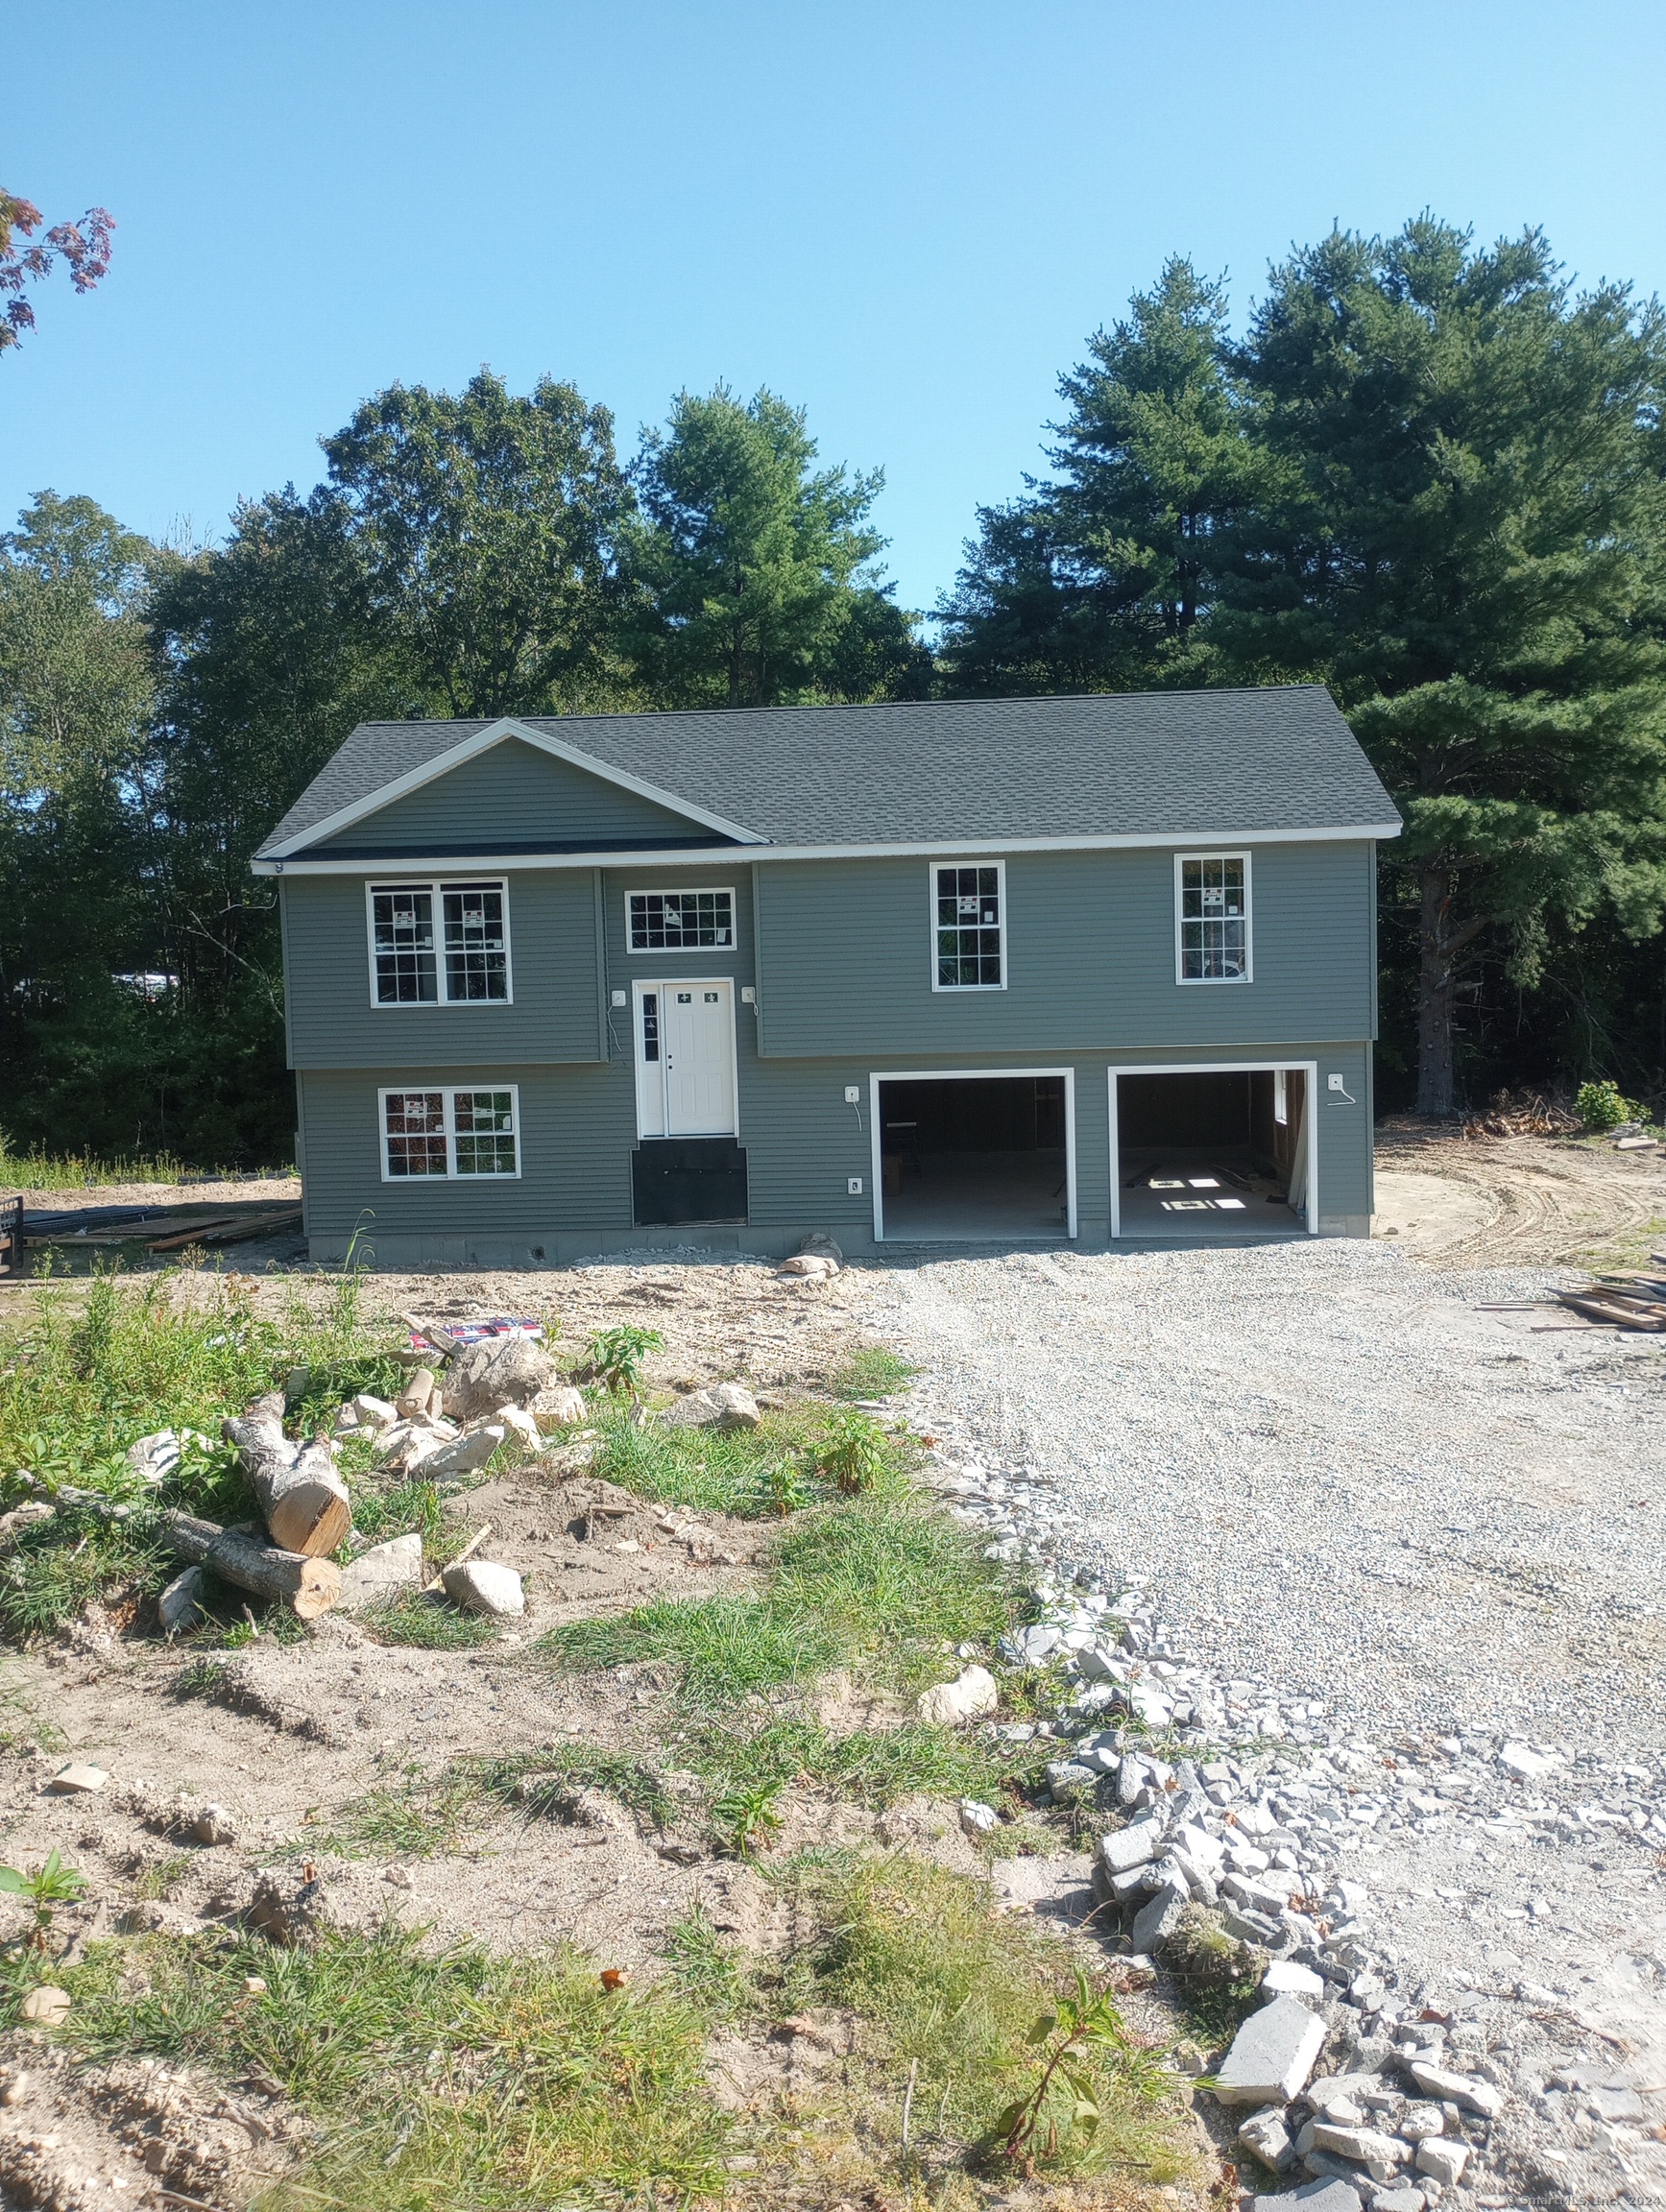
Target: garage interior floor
1203,1193
979,1197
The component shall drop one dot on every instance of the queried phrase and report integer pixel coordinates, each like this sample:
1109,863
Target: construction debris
1634,1299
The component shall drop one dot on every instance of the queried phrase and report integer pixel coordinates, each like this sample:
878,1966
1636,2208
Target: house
1087,969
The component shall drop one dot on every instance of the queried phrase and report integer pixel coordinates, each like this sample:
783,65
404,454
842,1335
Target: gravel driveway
1336,1471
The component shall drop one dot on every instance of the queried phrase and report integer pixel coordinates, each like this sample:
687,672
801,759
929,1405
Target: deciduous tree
84,248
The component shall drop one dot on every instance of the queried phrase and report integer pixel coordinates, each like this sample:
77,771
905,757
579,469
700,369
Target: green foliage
1064,2107
54,1884
873,1580
441,2077
871,1372
710,1973
745,1816
1599,1106
760,1473
753,565
616,1355
850,1454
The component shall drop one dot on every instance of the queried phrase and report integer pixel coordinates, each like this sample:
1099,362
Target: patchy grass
424,1816
955,1993
874,1583
746,1472
542,1784
429,1624
871,1372
710,1973
396,1509
439,2079
874,1767
163,1878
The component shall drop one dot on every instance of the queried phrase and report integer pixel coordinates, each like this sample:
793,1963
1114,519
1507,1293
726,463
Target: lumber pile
1633,1299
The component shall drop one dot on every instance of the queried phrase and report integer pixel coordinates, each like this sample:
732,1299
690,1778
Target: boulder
695,1410
482,1586
470,1451
809,1264
561,1408
499,1371
819,1246
382,1572
180,1601
968,1697
737,1407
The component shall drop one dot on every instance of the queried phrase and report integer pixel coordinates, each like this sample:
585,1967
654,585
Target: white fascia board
469,749
395,864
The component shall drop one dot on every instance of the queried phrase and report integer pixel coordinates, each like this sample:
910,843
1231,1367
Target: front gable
514,797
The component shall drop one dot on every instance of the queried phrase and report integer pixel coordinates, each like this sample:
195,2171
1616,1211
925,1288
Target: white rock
1125,1848
1364,2146
1444,2161
46,2006
977,1818
470,1451
815,1265
482,1586
1266,2134
737,1407
968,1697
1421,2121
562,1408
1460,2090
1283,1978
1525,1763
1272,2055
378,1573
374,1412
154,1459
77,1778
180,1601
520,1424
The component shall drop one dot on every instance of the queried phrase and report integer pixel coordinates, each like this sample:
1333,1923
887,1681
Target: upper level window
681,921
1212,919
467,959
969,924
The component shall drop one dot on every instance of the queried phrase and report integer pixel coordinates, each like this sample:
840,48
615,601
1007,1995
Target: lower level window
451,1133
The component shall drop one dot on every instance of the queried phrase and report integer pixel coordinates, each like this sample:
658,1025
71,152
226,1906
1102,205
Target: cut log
303,1497
308,1587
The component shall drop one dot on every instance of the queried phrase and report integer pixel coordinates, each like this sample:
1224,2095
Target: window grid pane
968,927
403,922
485,1126
477,954
681,921
1214,925
416,1132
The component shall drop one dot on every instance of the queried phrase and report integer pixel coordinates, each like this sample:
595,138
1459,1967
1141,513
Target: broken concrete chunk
1135,1845
562,1408
1460,2090
465,1454
1155,1922
180,1601
482,1586
1614,2104
77,1778
1265,2135
1418,2121
968,1697
1442,2160
1525,1764
374,1412
1283,1978
383,1571
1313,2197
1271,2056
737,1407
1402,2198
1364,2146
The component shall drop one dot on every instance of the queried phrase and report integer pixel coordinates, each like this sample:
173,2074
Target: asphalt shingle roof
1151,762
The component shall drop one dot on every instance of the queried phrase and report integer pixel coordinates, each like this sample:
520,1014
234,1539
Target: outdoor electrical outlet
617,999
853,1094
853,1185
1336,1082
748,996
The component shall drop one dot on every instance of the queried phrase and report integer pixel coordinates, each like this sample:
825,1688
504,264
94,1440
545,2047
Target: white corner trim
957,860
483,740
487,863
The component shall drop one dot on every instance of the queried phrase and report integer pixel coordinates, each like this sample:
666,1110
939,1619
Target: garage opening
1213,1152
975,1157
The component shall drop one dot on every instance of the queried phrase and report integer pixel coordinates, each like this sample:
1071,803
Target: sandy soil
1517,1201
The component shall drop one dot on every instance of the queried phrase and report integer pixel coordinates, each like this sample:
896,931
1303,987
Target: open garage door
981,1158
1201,1153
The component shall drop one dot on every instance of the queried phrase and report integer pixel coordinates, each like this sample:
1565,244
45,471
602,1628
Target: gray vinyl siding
505,795
846,956
556,1013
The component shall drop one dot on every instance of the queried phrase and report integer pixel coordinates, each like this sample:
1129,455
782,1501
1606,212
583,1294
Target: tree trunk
1439,942
309,1587
302,1498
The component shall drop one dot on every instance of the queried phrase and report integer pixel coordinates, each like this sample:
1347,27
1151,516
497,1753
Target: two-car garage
1195,1153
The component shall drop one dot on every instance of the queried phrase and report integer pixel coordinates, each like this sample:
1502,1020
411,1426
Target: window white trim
1239,853
965,860
680,891
1309,1117
437,887
969,1075
450,1094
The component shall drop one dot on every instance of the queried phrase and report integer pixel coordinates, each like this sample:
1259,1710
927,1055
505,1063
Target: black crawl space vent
688,1179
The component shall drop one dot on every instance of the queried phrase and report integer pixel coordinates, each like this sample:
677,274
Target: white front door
685,1058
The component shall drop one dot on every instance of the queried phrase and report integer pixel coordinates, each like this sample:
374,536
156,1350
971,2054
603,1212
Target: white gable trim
469,749
273,862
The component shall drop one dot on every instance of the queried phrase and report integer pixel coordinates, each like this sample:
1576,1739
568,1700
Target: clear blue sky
906,215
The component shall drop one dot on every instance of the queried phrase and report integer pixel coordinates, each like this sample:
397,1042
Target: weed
616,1355
163,1878
54,1884
746,1818
1601,1106
1065,2100
709,1972
427,1624
36,1171
1217,1977
870,1372
399,1510
782,1489
543,1783
420,1817
850,1453
721,1647
445,2078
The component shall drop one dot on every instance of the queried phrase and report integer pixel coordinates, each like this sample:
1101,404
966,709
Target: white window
439,944
681,921
451,1133
1212,917
968,926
